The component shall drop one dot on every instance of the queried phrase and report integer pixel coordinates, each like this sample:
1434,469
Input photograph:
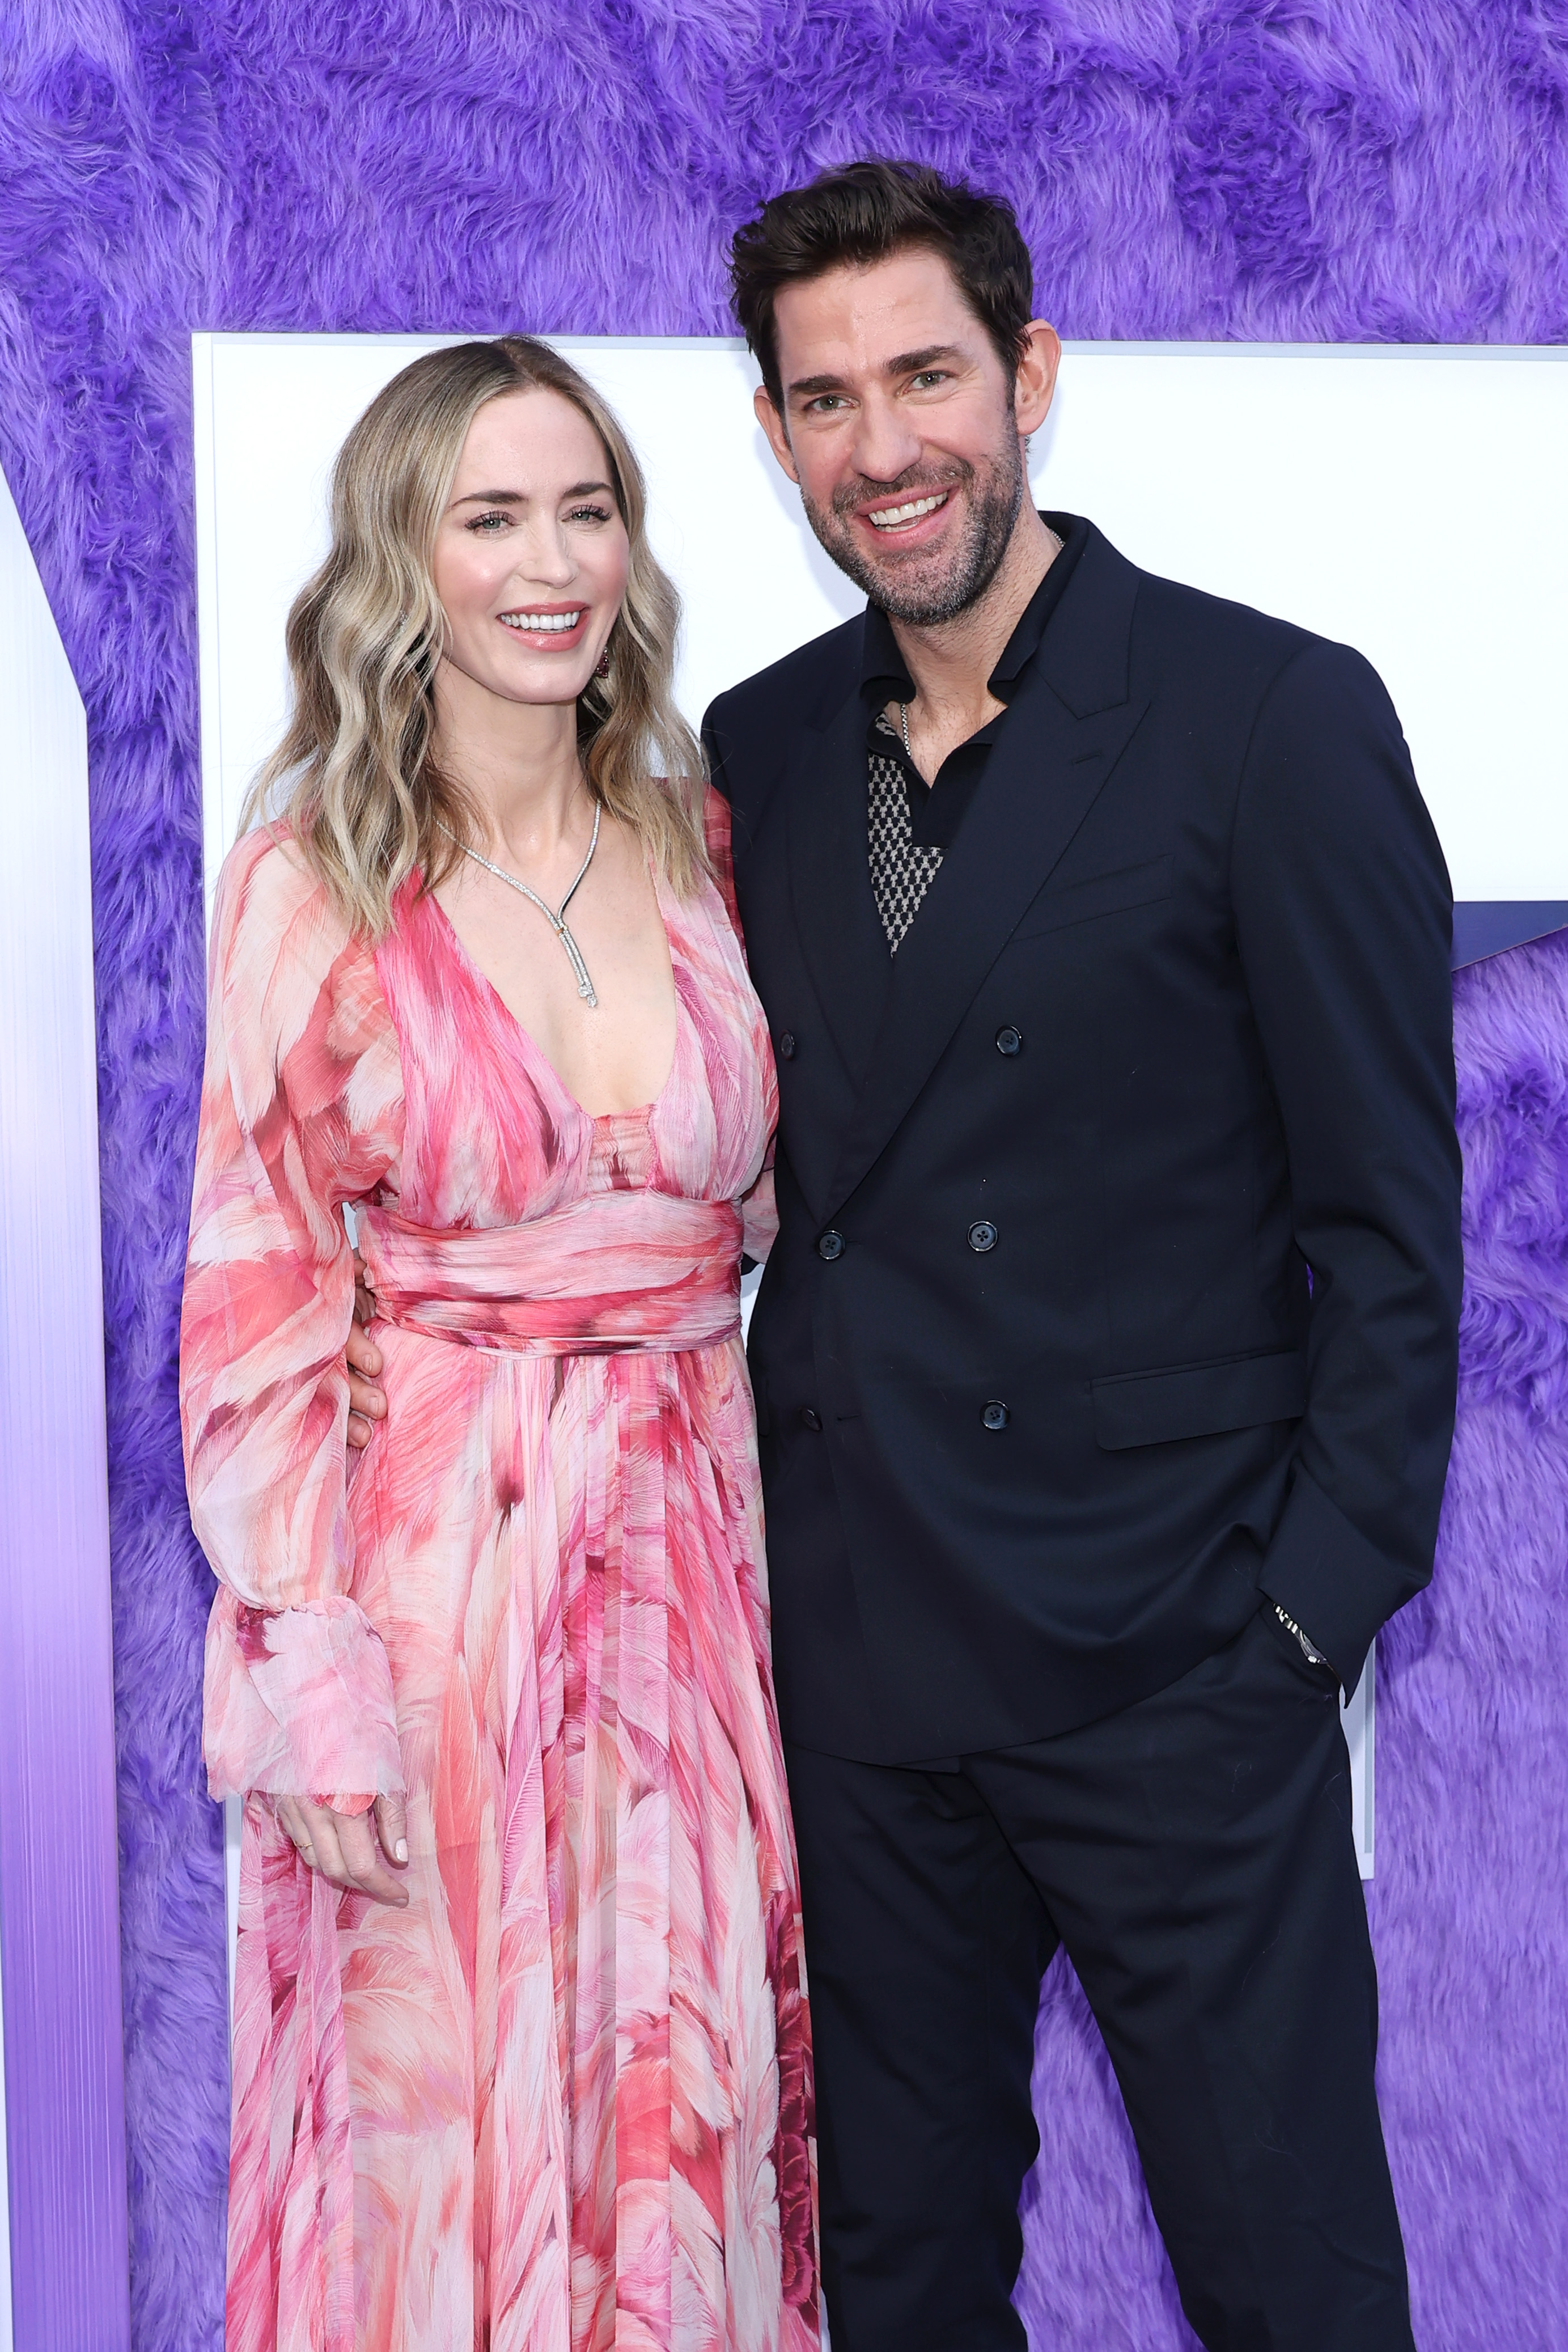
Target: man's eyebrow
911,363
810,387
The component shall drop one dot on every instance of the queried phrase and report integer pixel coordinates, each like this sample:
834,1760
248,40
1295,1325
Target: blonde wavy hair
356,778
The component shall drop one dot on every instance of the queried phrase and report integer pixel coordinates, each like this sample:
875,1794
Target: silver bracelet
1314,1657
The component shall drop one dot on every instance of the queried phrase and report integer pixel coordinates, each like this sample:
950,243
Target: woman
521,2054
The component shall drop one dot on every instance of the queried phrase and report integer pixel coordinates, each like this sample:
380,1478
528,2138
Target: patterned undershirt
901,872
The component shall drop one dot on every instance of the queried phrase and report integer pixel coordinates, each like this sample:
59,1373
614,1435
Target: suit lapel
841,936
1067,726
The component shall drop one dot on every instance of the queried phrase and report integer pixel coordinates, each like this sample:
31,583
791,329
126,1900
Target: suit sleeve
715,746
1344,920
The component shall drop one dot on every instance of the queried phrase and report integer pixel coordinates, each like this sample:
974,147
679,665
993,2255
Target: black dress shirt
935,809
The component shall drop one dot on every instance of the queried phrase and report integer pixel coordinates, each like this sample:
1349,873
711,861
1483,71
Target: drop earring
602,667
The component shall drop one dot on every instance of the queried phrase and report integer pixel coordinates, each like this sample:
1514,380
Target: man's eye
928,376
824,403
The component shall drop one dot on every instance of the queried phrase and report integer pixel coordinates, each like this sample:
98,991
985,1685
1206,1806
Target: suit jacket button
786,1046
810,1417
1009,1040
829,1245
995,1415
983,1235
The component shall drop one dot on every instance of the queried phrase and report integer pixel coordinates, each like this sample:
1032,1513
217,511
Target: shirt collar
884,673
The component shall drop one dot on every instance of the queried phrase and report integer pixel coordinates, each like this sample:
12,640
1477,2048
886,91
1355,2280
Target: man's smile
898,517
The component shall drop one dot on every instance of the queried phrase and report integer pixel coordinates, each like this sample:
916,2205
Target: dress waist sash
611,1273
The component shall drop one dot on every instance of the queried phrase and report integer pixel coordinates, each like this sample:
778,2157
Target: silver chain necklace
554,916
904,723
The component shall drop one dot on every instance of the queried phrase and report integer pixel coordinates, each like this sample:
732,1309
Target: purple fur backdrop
1306,170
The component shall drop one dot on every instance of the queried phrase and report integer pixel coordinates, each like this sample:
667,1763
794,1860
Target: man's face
903,429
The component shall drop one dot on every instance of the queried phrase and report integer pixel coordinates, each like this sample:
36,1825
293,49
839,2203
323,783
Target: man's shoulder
1215,641
803,687
1194,620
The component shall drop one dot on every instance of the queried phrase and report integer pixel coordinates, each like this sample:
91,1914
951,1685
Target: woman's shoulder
271,911
266,867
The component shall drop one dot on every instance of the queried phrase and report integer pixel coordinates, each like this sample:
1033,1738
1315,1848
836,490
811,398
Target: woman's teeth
549,622
885,518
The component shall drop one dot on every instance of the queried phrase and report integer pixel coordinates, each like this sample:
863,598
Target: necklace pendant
575,957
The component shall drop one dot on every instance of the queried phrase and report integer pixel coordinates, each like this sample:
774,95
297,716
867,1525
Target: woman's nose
547,560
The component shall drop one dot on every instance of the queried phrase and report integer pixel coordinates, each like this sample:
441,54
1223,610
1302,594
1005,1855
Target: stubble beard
995,495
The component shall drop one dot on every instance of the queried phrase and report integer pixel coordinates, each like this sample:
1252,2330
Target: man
1105,1360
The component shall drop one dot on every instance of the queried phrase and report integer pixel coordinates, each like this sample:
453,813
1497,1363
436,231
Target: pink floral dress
563,2100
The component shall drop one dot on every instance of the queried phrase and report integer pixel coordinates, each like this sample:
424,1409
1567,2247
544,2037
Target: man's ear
1036,380
772,425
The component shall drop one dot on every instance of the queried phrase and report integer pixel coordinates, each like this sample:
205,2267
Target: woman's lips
546,628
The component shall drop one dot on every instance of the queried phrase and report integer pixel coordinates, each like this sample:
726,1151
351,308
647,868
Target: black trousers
1193,1853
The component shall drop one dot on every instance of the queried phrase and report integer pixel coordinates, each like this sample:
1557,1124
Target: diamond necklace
554,916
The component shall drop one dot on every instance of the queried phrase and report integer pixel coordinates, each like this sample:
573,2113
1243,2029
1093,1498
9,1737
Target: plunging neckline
534,1051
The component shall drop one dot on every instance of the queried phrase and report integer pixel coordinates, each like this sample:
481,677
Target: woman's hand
343,1848
367,1401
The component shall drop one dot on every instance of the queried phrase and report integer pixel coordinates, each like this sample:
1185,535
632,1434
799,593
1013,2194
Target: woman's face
532,553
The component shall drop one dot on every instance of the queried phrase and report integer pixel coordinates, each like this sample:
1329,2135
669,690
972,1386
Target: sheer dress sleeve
300,1106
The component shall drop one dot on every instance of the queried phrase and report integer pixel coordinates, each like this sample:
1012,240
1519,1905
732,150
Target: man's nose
886,443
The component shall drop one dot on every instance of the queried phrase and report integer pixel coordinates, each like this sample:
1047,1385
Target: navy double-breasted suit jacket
1117,1268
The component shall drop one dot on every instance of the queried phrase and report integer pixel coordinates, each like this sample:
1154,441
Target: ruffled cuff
297,1703
759,1218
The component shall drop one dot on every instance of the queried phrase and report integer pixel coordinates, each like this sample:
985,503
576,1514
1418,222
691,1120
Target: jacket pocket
1197,1399
1101,893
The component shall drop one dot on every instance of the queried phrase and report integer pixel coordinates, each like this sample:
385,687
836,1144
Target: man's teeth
537,621
886,517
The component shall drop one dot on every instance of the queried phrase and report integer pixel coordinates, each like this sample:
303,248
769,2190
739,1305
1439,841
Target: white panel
63,2122
1357,1715
233,1820
1409,500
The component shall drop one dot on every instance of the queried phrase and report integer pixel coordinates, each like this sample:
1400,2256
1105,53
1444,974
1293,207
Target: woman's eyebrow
520,497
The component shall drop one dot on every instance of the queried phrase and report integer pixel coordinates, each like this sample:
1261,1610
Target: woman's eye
486,526
589,514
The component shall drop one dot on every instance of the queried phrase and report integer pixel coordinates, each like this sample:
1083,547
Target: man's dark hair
863,212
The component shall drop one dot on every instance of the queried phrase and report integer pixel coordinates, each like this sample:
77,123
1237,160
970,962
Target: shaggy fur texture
1307,169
